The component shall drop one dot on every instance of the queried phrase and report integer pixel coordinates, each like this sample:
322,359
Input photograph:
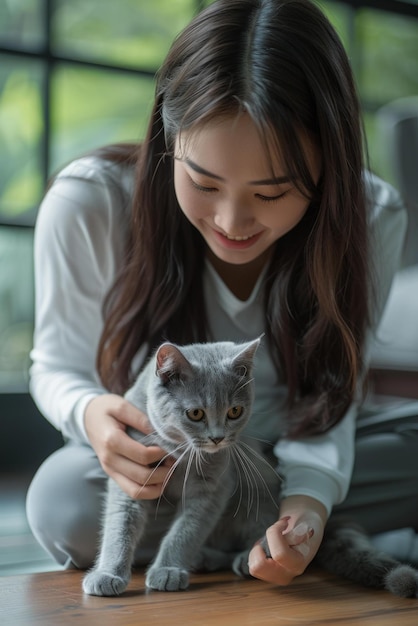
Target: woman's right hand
128,462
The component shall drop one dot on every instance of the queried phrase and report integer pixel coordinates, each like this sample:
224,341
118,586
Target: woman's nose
233,218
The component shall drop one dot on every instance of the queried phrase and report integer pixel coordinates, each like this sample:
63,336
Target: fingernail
301,529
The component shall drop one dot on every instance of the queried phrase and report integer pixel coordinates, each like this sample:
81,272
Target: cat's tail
347,551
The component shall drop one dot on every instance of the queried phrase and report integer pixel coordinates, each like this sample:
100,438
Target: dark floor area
20,553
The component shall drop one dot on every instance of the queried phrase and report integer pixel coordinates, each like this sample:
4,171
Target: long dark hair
282,62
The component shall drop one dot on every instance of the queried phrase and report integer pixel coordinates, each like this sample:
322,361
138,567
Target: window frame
49,60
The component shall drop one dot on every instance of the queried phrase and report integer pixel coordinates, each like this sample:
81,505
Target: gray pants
64,501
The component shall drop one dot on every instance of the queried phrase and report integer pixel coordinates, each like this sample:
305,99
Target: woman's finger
265,568
138,491
278,543
139,473
137,452
129,415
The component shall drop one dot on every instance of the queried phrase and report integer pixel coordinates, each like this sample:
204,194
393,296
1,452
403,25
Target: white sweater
79,242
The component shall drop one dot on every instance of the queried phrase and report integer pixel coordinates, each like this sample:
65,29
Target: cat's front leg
183,542
169,572
123,525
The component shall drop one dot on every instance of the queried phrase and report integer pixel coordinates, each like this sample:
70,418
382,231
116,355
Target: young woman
246,210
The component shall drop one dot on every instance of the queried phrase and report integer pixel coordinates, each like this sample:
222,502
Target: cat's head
202,394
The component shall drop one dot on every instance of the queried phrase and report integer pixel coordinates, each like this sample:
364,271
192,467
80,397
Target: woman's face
225,187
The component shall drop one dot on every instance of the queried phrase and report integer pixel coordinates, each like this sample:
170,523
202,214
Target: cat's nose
216,440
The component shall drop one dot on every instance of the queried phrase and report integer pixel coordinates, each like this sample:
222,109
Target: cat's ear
171,364
243,361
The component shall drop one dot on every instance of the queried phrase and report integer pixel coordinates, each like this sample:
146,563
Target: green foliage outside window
91,106
131,33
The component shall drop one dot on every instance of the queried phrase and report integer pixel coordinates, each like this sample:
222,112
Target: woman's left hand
292,542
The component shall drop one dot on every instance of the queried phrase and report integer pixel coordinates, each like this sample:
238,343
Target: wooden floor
221,599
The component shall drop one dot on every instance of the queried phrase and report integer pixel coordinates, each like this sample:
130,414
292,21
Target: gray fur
218,476
347,551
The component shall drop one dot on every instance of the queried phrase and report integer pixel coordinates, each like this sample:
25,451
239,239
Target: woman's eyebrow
200,170
276,180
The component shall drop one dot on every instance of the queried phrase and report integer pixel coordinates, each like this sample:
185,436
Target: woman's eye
196,415
271,198
202,187
235,412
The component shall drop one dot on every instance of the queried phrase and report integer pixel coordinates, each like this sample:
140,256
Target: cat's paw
240,564
167,578
99,583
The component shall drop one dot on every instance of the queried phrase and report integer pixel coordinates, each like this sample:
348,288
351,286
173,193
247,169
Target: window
76,74
381,38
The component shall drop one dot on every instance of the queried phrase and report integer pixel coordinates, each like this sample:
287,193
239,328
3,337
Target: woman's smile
239,242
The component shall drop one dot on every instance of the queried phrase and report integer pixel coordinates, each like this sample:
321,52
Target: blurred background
77,74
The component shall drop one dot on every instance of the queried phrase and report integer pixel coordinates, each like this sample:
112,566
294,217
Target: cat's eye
235,412
195,414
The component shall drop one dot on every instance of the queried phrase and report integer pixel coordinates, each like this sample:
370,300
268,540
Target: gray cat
198,398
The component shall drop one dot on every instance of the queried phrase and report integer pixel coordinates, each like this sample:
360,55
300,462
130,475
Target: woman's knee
64,505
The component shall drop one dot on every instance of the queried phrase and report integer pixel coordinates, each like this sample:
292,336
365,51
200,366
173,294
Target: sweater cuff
79,430
313,483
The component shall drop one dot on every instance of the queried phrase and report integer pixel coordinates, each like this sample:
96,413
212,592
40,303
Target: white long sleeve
319,467
79,240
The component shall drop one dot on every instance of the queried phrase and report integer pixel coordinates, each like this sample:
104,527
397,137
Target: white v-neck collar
227,298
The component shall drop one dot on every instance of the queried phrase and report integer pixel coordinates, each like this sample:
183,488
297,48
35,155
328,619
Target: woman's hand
292,542
128,462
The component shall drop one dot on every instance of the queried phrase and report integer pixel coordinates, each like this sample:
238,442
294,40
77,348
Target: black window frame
49,59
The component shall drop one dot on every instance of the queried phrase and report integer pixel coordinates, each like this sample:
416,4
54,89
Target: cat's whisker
187,473
243,467
200,459
232,456
266,441
161,461
149,440
247,382
255,470
176,463
170,472
259,457
253,479
253,474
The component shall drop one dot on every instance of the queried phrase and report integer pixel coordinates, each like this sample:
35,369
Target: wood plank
219,599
